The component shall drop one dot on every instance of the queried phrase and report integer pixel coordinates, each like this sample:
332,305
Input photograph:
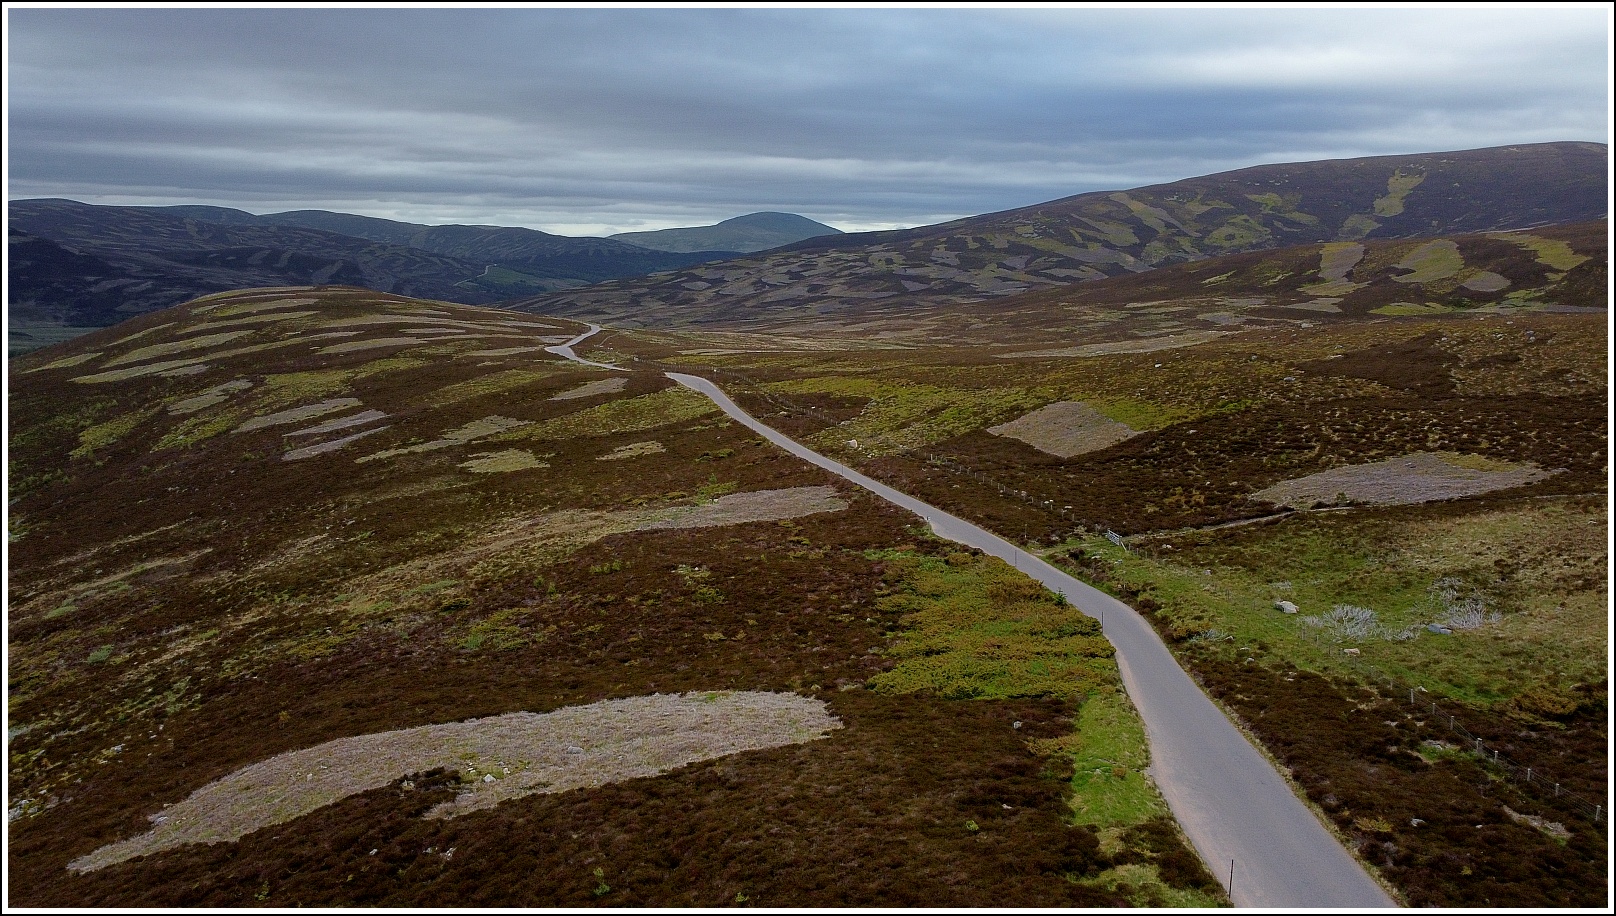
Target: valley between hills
322,595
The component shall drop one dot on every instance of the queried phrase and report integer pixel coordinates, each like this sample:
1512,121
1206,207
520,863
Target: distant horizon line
936,220
90,203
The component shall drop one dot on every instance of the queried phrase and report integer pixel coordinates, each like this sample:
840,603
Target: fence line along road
1535,778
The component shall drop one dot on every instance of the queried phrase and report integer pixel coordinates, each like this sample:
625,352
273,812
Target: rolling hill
323,596
749,233
1108,234
76,264
561,260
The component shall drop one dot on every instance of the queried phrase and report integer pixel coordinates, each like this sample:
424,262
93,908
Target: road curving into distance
1234,807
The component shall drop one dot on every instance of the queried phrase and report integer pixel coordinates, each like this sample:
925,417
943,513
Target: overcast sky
588,122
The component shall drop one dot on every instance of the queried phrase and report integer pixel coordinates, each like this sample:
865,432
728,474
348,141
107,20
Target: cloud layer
598,121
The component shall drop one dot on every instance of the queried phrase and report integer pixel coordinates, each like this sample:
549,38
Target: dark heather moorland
1460,445
321,595
269,520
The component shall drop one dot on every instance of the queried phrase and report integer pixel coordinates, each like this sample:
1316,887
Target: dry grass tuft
633,450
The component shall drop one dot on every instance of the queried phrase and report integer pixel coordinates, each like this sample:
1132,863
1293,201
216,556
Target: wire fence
1535,779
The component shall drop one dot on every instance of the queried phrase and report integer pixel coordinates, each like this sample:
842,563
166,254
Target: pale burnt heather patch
499,757
758,506
591,389
1065,428
1417,478
633,450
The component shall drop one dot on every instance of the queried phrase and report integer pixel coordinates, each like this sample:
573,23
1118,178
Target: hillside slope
1551,269
89,265
563,259
749,233
1106,234
190,256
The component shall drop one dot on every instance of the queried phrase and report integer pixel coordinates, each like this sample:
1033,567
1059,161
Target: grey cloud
626,118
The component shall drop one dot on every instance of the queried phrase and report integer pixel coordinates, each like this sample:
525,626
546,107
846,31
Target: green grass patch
1141,883
495,275
1436,260
197,429
648,411
493,383
1551,253
169,348
980,629
104,435
1239,232
504,462
501,631
1141,416
975,628
1109,755
1534,572
1397,188
1356,227
903,414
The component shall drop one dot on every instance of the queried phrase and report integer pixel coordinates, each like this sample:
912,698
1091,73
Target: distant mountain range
749,233
75,264
1117,233
86,265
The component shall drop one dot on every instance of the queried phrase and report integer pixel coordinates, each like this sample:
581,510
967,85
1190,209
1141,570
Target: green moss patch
104,435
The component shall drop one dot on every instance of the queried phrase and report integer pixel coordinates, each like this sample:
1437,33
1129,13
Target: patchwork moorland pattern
899,282
1426,488
481,529
265,544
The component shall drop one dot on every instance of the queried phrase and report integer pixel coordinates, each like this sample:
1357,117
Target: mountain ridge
113,262
1111,233
750,233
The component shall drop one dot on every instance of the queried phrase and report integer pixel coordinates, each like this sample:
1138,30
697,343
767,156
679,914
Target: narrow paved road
1231,802
565,351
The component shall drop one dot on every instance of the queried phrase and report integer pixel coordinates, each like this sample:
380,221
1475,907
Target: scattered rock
1286,606
1438,628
